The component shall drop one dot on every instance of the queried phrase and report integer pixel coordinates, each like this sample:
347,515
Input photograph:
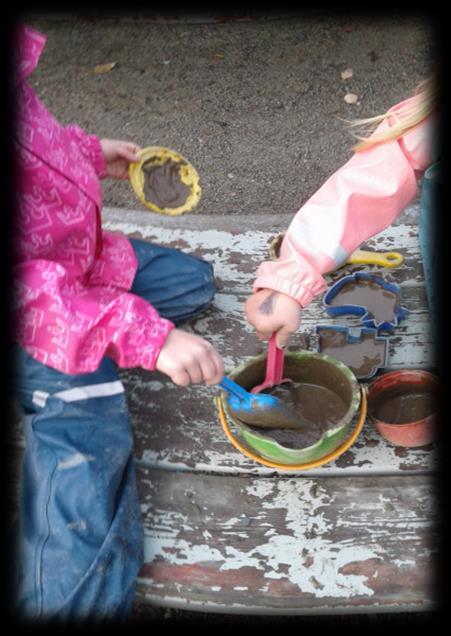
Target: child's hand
189,359
118,155
269,311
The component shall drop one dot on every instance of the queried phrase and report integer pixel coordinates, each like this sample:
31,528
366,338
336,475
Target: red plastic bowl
403,407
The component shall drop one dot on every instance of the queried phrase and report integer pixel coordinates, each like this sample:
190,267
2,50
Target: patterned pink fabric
358,201
72,278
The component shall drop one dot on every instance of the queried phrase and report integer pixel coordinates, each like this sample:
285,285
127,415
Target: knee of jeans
197,294
208,279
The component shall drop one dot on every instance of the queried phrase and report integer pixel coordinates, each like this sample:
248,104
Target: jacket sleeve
358,201
70,327
90,147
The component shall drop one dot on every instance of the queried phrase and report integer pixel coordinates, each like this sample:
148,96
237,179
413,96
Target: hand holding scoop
262,410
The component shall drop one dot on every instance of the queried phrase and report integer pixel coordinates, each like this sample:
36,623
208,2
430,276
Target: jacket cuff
303,295
146,354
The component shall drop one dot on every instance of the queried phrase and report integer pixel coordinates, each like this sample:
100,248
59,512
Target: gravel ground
256,104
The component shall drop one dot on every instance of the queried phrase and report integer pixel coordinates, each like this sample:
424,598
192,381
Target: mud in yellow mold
180,173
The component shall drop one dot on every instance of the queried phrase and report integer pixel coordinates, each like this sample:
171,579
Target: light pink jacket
72,279
358,201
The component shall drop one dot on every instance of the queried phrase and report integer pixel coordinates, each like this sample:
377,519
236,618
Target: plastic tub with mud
331,382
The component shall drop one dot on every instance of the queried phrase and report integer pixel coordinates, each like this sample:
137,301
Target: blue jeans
80,537
430,222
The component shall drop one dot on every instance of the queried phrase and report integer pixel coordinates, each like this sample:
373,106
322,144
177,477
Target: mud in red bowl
403,406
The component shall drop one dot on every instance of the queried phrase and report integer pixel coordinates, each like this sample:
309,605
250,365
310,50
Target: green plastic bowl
300,366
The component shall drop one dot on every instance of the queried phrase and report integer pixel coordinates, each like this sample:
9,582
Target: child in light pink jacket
87,302
359,200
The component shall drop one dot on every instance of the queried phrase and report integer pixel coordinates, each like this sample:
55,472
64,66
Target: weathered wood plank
293,544
179,429
236,246
223,533
260,541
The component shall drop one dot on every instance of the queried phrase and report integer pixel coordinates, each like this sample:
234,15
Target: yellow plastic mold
188,176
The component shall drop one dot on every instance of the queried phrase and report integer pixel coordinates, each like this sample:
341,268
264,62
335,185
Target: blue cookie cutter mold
353,337
366,318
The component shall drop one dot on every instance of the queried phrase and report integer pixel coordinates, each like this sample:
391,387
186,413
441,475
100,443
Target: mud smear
162,184
363,357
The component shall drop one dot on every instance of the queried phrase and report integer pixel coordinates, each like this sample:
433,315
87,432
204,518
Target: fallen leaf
350,98
218,56
347,74
104,68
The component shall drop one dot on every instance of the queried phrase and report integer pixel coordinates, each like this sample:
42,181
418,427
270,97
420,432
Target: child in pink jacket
359,200
87,302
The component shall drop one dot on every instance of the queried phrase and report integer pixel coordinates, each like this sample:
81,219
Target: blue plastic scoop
260,409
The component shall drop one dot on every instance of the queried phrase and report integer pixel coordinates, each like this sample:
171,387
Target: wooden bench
225,534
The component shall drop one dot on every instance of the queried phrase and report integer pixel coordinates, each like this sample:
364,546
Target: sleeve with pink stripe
358,201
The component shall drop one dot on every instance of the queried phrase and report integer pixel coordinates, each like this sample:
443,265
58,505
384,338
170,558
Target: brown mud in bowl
404,406
320,395
400,405
162,184
281,415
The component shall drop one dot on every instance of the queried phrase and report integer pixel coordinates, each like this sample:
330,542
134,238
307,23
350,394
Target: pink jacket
72,279
359,200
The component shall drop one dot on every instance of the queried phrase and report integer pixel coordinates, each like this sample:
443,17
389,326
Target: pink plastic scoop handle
274,367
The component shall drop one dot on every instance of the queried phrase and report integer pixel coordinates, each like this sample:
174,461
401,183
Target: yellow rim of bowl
314,464
188,175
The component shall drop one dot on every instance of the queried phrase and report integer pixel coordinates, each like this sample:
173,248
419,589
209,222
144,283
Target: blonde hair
406,116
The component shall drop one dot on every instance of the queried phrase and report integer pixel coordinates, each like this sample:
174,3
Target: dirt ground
256,102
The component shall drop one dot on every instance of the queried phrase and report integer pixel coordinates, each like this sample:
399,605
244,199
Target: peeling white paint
261,489
179,552
404,562
306,520
365,460
280,556
219,243
222,244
